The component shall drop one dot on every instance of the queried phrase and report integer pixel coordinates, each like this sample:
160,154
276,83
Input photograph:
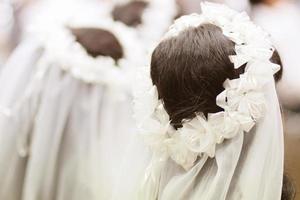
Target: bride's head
189,71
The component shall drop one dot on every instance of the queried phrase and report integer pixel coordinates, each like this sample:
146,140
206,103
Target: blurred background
281,18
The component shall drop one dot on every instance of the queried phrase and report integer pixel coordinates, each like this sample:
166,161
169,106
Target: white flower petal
180,153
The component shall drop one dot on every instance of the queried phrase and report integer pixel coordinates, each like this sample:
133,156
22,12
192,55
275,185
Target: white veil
64,142
246,167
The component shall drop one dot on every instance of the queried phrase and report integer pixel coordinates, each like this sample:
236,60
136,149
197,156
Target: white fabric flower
246,53
183,23
261,71
199,136
180,153
155,130
227,125
156,135
217,13
239,95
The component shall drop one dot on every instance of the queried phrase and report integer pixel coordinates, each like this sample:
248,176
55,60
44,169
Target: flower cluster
242,100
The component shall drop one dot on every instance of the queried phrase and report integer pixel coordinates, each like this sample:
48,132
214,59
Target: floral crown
242,100
61,47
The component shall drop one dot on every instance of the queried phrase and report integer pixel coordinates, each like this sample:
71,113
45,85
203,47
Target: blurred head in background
98,42
267,2
131,13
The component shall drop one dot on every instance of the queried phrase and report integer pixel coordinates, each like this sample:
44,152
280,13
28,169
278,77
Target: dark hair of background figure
189,71
254,2
98,42
130,13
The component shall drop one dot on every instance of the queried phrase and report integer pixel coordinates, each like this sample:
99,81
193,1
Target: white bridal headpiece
243,100
61,46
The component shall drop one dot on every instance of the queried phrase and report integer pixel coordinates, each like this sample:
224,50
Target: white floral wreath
61,47
243,99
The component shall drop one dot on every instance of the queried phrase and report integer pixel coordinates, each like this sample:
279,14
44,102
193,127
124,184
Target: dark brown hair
98,42
254,2
277,60
288,189
189,71
130,13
